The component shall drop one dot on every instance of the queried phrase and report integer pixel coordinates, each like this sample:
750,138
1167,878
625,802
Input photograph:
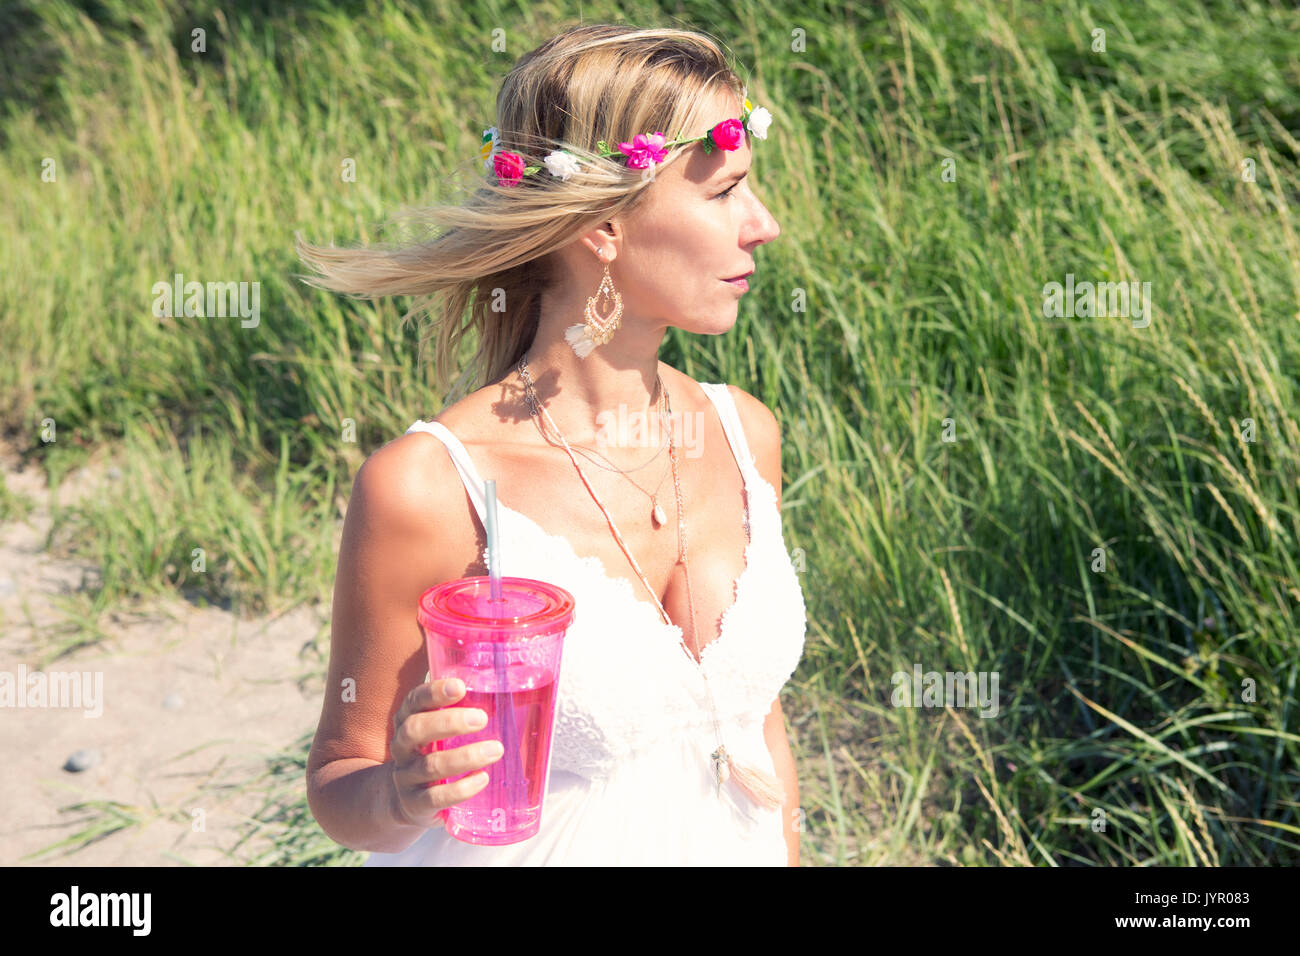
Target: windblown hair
591,83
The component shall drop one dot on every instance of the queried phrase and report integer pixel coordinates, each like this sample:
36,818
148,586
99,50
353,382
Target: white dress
630,780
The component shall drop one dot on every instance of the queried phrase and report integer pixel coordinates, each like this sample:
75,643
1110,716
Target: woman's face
699,226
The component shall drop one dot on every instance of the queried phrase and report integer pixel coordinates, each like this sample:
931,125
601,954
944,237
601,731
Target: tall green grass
899,308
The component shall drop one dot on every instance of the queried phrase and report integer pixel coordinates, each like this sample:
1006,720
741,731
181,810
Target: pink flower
645,148
728,134
509,168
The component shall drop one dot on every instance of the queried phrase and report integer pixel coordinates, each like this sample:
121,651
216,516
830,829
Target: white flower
561,165
489,146
759,120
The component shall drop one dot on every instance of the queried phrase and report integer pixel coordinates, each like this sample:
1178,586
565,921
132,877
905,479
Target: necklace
609,465
657,516
762,787
659,403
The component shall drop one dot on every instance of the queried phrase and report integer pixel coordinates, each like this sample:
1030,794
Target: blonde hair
590,83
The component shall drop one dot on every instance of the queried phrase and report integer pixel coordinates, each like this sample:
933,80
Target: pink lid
463,609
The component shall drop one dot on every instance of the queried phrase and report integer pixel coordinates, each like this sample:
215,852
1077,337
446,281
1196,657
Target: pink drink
508,655
494,809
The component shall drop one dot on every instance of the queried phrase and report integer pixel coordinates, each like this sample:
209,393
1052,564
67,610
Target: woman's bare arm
398,540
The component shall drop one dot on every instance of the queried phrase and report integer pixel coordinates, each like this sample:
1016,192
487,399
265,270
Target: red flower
728,134
509,168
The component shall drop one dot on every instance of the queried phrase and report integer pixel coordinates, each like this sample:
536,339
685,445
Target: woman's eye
727,191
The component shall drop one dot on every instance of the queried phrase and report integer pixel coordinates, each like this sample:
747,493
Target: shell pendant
657,516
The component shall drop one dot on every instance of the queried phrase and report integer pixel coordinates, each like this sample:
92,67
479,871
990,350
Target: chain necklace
762,787
609,465
657,516
659,403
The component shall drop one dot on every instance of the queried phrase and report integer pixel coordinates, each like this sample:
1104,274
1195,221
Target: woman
591,236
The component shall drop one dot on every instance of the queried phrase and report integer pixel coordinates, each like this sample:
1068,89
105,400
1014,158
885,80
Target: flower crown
645,150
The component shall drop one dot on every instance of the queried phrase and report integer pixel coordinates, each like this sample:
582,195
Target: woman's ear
605,237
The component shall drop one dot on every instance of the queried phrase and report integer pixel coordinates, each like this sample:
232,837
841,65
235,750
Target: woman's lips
741,284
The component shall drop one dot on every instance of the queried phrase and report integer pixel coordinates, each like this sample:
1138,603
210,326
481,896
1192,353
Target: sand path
193,701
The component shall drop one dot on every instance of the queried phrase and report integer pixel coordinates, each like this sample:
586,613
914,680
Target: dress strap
474,486
726,406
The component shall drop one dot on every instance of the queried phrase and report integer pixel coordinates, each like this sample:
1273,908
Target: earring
598,329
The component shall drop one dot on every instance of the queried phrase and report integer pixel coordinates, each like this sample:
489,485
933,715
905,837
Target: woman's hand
424,718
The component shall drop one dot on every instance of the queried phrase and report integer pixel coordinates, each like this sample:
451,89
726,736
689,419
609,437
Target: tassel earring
598,329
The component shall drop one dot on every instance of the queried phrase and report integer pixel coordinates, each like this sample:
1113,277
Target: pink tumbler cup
508,655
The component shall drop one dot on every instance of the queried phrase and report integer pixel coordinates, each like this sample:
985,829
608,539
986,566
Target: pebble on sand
83,760
173,701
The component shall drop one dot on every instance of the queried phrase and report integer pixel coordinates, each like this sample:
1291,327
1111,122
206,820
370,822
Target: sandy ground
193,700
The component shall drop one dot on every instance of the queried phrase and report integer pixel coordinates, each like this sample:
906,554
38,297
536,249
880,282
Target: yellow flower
491,139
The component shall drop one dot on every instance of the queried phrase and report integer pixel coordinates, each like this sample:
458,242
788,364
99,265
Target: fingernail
455,687
477,718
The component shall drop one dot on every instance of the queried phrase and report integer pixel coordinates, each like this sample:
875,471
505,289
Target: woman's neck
615,382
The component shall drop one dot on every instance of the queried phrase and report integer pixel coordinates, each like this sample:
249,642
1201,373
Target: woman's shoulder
406,481
762,434
409,493
762,431
761,426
